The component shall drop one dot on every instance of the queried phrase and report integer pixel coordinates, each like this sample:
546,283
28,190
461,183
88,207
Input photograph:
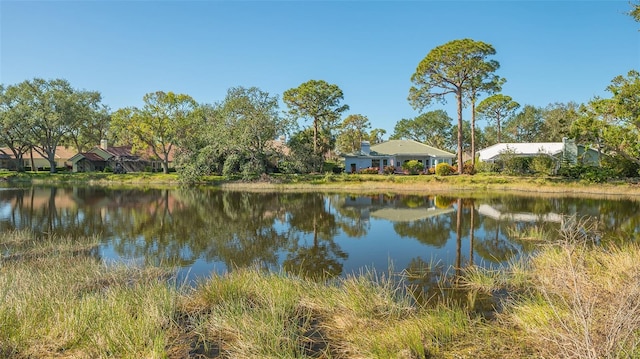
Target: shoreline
479,183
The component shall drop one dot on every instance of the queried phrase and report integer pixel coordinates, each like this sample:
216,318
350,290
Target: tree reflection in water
322,257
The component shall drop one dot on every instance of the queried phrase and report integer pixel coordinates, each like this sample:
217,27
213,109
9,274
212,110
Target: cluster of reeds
582,299
57,299
574,298
249,314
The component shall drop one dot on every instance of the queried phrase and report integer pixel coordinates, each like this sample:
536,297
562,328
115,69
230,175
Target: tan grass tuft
584,300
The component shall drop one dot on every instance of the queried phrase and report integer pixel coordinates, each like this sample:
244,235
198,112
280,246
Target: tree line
236,135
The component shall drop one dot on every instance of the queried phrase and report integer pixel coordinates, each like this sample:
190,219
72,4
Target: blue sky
549,51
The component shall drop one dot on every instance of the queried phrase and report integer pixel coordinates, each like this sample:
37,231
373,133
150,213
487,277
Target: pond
202,230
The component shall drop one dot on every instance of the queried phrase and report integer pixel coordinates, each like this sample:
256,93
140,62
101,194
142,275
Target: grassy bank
572,300
347,182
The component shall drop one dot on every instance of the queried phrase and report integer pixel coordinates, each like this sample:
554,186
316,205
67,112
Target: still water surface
201,231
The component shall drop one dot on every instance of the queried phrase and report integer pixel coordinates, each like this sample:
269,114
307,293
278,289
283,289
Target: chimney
103,144
365,148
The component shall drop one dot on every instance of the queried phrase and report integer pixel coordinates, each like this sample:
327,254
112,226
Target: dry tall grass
58,300
583,300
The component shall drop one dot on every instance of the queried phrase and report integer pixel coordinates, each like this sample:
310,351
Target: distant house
88,162
62,157
566,151
277,151
395,153
116,158
278,146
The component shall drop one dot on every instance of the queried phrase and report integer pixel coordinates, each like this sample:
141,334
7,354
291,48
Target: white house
566,150
394,153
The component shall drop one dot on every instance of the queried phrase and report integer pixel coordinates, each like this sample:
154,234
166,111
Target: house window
375,163
385,163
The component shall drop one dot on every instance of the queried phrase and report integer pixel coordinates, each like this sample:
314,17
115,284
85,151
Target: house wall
403,159
85,165
355,164
41,163
427,161
360,163
437,160
589,157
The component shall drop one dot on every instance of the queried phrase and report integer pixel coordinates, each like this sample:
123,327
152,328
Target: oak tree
318,101
253,121
14,115
158,125
52,109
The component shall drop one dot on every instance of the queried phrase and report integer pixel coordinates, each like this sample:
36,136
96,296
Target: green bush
444,169
513,164
591,174
232,165
288,167
486,167
413,167
542,164
621,166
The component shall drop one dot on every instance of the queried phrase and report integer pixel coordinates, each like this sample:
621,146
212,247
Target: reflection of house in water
498,214
395,208
409,214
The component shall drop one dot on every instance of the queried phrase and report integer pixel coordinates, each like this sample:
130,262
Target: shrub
232,164
330,167
444,169
389,170
251,169
369,171
596,174
621,166
287,167
468,168
515,165
413,167
485,167
542,164
591,174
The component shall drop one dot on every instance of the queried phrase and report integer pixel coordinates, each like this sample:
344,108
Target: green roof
408,214
408,147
